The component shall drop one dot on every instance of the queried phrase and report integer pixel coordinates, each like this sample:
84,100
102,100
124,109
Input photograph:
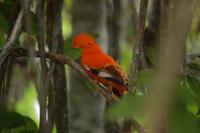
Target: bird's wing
114,73
117,73
109,76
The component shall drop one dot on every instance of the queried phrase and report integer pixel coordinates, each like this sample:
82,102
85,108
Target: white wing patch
104,74
101,73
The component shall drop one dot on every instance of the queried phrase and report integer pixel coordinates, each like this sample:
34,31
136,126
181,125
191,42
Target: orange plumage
100,66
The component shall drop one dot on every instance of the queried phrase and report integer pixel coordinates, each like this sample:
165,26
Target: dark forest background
43,89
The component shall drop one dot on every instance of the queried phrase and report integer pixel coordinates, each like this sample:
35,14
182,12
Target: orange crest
83,40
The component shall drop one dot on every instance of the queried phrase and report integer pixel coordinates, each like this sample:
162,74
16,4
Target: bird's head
83,40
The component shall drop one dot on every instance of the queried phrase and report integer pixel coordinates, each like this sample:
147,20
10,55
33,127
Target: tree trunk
58,95
175,21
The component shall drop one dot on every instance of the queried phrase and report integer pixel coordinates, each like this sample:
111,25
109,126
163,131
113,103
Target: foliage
13,121
184,115
6,22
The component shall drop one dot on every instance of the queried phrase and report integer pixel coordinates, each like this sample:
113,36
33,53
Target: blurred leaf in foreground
16,122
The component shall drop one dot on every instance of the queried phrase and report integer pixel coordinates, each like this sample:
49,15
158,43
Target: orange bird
100,66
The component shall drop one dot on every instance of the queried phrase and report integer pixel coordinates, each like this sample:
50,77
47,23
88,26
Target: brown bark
43,88
151,34
58,95
173,34
15,19
137,46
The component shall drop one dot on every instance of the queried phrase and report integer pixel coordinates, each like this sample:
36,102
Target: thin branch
138,43
14,33
12,38
41,37
62,59
43,82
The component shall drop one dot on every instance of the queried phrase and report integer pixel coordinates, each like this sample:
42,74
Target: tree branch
58,92
60,58
12,38
43,82
138,43
14,33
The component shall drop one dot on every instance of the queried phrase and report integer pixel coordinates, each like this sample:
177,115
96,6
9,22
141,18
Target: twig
138,44
60,58
12,38
14,33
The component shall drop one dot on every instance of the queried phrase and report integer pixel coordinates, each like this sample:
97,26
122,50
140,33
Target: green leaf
194,84
194,66
184,91
127,107
15,121
181,121
28,127
10,119
185,95
182,116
